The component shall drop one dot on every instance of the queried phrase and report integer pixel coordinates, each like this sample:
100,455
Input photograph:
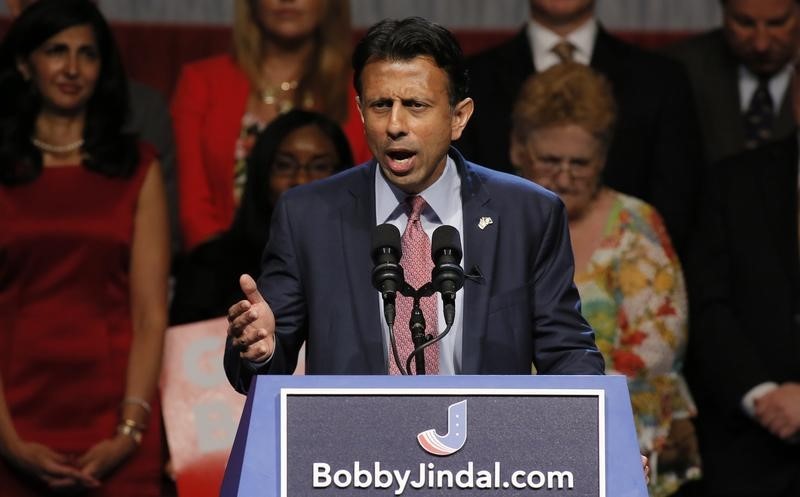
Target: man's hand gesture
252,324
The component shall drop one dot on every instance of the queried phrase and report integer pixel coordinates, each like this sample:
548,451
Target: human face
554,13
290,20
763,34
306,154
64,69
408,119
567,160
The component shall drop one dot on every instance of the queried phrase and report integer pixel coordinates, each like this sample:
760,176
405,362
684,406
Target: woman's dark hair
207,278
252,219
107,148
405,39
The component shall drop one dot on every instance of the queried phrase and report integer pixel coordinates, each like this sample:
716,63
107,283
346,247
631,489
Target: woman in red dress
83,265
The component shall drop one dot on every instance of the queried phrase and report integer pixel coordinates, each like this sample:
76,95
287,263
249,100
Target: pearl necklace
57,149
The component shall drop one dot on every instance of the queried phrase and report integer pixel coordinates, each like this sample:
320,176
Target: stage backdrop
157,36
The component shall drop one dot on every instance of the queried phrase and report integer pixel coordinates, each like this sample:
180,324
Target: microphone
387,275
447,276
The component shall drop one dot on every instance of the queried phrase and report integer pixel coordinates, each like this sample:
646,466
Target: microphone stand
417,326
422,341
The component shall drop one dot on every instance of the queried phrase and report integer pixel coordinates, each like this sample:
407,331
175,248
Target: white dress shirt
444,207
778,84
542,41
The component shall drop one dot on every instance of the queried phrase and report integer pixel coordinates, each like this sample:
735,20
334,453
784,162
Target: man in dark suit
519,306
730,67
743,360
655,153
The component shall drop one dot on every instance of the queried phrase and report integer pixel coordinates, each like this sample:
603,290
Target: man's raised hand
251,324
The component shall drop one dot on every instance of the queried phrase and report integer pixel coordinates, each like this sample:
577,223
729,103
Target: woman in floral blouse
629,277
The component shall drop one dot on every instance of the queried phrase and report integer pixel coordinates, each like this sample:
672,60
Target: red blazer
207,109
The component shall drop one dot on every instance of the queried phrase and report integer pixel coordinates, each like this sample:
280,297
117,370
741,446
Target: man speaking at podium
518,305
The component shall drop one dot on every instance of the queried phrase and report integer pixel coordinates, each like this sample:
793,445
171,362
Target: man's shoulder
624,59
506,188
142,94
353,179
493,68
496,55
696,49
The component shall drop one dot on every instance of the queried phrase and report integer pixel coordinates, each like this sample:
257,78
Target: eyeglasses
316,169
552,166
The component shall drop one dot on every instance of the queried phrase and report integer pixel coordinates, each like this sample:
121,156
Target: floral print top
633,295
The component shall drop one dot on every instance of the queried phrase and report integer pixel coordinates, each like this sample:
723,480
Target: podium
436,436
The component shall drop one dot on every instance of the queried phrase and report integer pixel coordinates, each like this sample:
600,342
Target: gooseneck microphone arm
419,351
417,326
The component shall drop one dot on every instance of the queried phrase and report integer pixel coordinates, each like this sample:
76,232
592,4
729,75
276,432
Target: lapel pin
484,222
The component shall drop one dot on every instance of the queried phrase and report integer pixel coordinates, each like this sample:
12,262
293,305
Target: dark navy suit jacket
317,279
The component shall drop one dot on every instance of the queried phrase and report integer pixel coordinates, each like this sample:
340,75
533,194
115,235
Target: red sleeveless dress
65,319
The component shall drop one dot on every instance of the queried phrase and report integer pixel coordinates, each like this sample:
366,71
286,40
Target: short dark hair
405,39
251,223
109,150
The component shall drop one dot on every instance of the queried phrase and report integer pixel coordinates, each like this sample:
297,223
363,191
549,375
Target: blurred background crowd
143,145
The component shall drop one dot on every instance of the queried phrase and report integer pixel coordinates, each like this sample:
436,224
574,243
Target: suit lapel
357,218
784,122
481,225
605,56
728,121
778,180
518,63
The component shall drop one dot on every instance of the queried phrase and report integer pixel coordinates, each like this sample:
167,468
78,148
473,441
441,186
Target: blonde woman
286,54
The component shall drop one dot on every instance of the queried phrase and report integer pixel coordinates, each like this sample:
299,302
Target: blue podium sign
458,435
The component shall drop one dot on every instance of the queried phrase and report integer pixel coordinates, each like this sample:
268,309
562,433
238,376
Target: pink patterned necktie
417,265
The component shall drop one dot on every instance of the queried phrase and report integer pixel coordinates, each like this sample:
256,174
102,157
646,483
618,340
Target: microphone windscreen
446,237
386,236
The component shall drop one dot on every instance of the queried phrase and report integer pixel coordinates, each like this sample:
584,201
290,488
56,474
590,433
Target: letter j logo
456,436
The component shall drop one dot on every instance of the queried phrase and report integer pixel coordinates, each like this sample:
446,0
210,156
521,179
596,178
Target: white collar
778,85
542,40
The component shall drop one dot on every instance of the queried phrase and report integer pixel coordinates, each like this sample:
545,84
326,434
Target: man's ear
461,114
360,110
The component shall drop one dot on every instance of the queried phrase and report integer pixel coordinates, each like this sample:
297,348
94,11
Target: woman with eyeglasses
628,275
296,148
